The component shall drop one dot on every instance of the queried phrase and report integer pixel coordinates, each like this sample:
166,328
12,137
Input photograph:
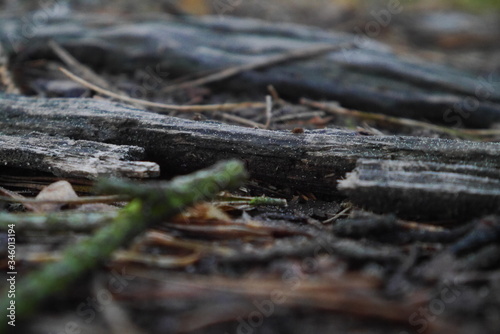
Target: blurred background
460,33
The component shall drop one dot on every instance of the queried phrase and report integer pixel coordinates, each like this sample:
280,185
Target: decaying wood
310,161
73,158
423,190
370,77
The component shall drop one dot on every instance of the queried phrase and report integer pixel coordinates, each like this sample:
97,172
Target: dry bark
311,161
73,158
423,190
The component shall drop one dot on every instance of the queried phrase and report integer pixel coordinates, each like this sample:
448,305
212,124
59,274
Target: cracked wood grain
423,190
65,157
311,161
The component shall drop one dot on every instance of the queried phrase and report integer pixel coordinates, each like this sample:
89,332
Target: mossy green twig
147,208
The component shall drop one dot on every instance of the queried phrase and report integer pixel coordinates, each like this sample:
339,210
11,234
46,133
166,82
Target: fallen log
423,190
369,77
73,158
312,161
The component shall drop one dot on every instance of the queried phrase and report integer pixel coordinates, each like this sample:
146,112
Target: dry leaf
202,211
59,191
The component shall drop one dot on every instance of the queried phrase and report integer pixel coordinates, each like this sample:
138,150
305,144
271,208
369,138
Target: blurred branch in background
205,7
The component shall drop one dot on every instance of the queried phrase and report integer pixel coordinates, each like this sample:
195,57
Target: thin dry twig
11,195
275,95
158,261
338,215
298,116
192,108
78,67
83,70
337,109
287,56
79,200
6,78
269,109
242,120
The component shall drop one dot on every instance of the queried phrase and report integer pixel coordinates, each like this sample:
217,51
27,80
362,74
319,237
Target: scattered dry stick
193,108
269,109
78,67
79,200
462,133
242,120
6,78
287,56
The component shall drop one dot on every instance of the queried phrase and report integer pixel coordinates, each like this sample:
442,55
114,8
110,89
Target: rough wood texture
73,158
371,78
423,190
312,161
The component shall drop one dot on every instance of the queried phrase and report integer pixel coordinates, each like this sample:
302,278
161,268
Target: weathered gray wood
73,158
370,78
312,161
423,190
